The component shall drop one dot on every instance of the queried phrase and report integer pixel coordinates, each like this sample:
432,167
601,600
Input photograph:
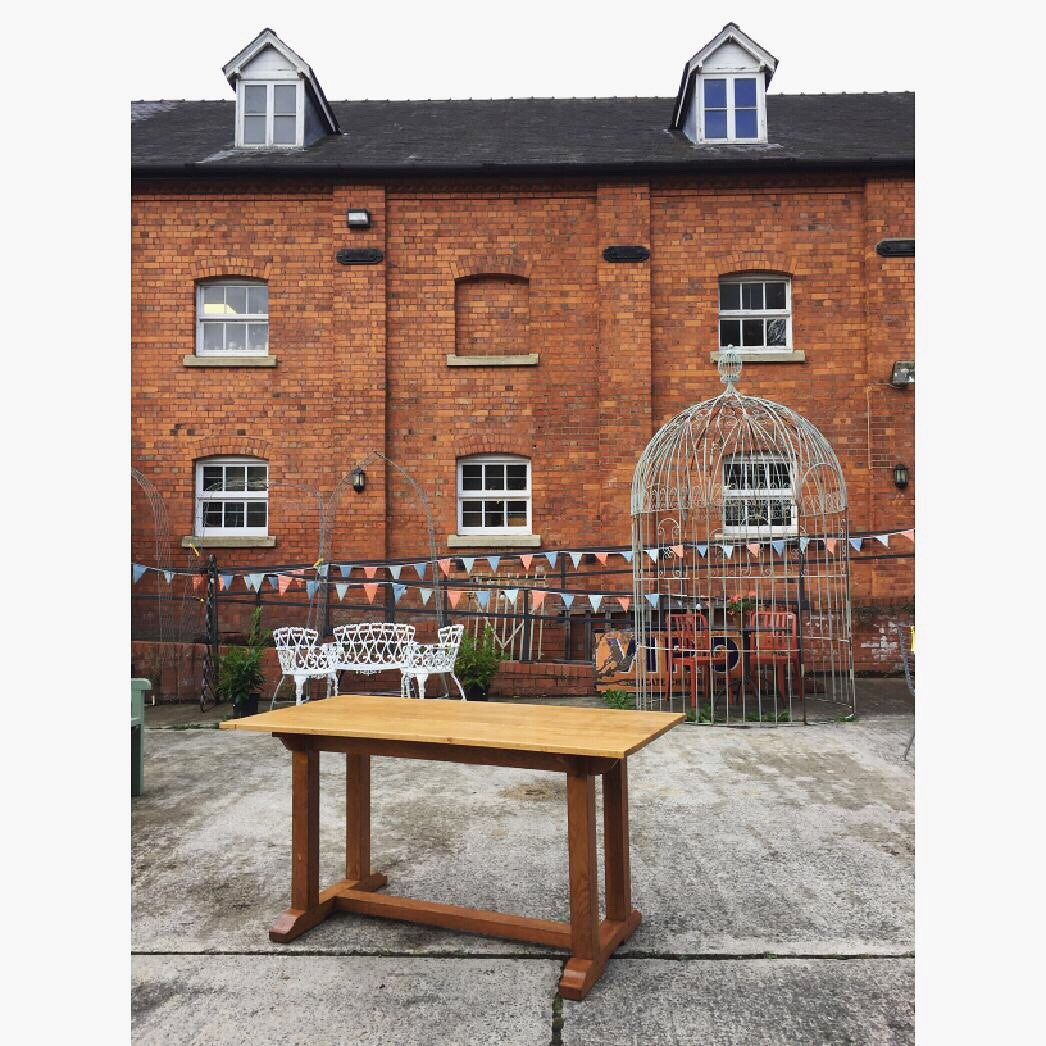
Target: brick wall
361,350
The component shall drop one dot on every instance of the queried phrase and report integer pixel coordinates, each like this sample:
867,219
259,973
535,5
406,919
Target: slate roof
529,135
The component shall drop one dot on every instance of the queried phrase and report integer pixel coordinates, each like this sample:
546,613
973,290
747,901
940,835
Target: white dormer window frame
276,109
730,106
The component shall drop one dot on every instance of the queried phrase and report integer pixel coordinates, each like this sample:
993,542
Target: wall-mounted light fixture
903,374
357,218
900,476
359,480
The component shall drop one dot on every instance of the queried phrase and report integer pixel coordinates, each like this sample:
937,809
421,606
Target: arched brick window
232,497
491,315
494,494
232,317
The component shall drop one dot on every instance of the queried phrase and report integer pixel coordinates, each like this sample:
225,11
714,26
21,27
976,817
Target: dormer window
731,108
279,101
722,99
270,114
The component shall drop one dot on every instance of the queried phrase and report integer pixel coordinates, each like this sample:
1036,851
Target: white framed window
232,318
758,496
733,108
232,497
494,495
755,313
269,113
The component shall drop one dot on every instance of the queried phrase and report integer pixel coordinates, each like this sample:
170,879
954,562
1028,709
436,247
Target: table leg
617,873
358,875
585,964
305,910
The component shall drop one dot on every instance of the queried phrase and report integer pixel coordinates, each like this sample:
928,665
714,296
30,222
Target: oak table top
594,732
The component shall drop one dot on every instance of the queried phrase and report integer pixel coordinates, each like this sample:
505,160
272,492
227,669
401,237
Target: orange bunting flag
370,571
753,548
829,543
625,602
526,561
282,583
444,565
602,556
371,590
537,597
678,550
197,582
453,594
909,534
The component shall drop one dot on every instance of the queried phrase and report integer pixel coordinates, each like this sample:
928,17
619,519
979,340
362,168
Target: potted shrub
476,663
240,676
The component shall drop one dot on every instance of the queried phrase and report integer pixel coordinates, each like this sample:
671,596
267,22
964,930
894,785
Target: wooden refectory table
583,743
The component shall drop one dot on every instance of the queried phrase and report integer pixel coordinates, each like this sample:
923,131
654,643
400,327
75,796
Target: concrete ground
773,867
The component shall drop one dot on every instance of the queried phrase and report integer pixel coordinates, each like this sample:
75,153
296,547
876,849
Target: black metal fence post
524,650
209,692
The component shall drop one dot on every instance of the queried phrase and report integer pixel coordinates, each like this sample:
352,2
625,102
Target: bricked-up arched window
494,494
755,312
491,315
232,497
232,317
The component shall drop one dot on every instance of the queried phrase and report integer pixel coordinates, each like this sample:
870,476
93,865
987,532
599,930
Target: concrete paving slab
338,1001
791,840
746,1003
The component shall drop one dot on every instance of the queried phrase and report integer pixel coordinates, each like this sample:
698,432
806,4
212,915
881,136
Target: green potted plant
240,677
476,663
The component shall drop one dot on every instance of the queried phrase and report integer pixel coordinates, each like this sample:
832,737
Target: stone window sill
795,356
528,359
228,361
241,541
493,540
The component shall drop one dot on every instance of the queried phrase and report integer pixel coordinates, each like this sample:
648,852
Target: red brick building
437,281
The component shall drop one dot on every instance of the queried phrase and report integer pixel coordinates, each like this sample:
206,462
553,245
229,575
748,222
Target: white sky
495,50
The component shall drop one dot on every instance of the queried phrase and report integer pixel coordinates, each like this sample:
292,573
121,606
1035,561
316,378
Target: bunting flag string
287,577
538,598
397,592
595,601
625,602
426,595
454,596
483,598
371,589
653,598
341,589
568,599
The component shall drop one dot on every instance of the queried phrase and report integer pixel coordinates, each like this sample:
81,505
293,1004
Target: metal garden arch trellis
740,560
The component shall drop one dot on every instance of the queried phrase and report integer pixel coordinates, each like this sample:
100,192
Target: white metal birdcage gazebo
740,559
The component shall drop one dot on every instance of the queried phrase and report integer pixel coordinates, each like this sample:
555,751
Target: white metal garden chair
371,648
301,659
425,659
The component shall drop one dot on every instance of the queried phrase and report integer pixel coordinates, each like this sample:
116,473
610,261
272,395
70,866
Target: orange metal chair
775,643
690,646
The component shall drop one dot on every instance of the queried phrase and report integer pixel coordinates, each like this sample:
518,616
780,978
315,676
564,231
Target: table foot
296,921
580,975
